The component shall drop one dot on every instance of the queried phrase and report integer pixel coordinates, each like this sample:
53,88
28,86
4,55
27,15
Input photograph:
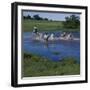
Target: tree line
72,21
34,17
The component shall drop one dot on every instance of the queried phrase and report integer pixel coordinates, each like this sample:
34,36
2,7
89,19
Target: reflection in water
46,45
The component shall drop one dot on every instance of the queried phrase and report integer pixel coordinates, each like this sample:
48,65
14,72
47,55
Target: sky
50,15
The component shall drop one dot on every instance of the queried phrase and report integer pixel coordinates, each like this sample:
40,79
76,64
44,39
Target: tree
37,17
46,19
27,17
72,22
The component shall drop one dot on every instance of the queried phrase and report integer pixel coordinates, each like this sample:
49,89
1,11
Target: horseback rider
35,30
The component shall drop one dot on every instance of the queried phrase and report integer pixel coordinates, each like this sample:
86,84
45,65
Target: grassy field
42,25
38,66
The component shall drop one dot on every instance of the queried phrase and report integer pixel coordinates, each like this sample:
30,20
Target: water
52,50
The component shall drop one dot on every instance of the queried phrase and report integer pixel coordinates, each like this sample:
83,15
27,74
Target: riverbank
34,66
43,25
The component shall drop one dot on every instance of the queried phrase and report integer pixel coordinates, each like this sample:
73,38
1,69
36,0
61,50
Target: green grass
38,66
27,25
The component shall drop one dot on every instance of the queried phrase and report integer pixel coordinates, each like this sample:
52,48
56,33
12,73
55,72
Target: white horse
69,36
51,37
37,36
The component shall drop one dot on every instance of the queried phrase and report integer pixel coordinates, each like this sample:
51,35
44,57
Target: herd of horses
51,37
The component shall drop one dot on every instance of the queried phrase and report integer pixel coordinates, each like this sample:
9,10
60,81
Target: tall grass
38,66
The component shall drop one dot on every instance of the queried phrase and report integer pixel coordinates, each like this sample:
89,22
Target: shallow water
52,50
